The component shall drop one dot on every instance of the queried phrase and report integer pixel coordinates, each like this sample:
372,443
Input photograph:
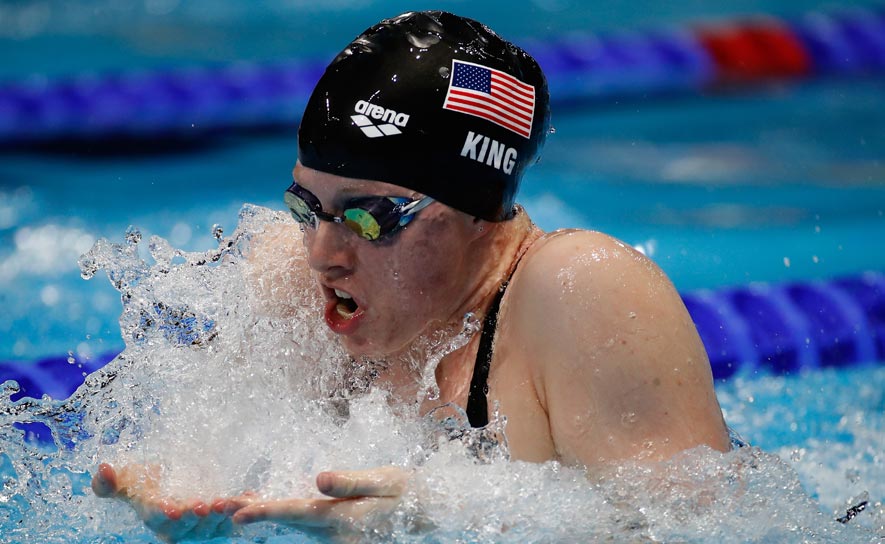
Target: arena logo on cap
367,112
492,95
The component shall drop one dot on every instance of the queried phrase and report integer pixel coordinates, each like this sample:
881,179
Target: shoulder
575,271
575,292
605,334
574,249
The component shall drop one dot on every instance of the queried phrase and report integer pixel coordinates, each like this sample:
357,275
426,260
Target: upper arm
621,371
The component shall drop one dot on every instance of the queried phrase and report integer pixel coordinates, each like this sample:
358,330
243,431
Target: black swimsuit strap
477,406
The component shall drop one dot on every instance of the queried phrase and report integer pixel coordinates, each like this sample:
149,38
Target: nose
329,252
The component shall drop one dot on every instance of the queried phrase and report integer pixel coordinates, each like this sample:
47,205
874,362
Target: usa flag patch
493,95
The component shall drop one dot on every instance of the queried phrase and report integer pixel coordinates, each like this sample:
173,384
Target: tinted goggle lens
368,217
299,208
362,223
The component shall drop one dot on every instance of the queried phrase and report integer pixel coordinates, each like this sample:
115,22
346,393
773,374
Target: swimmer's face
392,290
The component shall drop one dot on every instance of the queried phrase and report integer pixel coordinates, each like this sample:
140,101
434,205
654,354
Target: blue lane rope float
580,67
770,328
792,327
585,66
57,377
143,104
850,41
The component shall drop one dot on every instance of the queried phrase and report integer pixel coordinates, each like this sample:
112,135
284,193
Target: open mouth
346,306
343,313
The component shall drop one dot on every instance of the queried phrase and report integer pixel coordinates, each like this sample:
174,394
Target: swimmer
411,151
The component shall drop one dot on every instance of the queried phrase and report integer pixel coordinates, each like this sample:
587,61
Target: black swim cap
433,102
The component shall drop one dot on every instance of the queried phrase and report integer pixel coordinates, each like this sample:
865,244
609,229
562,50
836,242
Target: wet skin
596,358
398,281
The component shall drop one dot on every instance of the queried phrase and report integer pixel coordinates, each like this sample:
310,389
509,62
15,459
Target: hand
172,520
358,498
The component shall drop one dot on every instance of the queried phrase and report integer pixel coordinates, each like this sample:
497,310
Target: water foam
231,382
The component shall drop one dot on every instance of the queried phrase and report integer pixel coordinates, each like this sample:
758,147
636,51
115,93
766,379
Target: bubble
9,387
88,267
133,235
180,234
444,72
50,295
20,347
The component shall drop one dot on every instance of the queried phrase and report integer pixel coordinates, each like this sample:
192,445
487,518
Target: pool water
776,183
244,361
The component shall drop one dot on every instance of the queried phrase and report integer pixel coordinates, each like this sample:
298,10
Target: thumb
376,482
104,482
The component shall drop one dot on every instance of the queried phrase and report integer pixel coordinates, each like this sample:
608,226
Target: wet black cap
433,102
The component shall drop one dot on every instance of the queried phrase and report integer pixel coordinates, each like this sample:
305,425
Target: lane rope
580,67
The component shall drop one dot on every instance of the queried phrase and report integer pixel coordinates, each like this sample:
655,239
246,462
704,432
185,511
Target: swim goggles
370,217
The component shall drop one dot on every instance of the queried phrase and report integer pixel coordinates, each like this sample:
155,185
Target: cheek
430,252
430,265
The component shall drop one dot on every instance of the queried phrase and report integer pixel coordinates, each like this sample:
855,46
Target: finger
137,481
231,504
219,505
201,509
176,520
315,513
377,482
195,506
307,512
156,511
104,482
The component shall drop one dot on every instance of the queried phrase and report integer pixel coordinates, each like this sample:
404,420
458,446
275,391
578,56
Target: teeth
343,311
346,305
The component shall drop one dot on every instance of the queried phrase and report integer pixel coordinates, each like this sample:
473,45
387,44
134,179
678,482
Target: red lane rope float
756,50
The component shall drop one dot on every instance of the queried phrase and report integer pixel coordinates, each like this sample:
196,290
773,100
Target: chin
371,348
362,347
